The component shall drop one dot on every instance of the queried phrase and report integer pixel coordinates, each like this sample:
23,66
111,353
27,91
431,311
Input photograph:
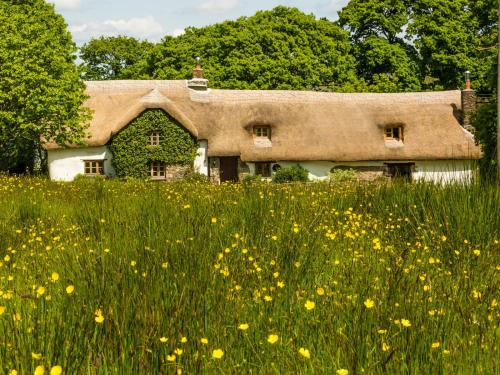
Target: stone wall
468,108
214,172
176,172
243,170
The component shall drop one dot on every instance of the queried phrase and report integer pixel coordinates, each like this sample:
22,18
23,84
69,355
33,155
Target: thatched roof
305,125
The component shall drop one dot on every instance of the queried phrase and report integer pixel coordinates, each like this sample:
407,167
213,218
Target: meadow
110,277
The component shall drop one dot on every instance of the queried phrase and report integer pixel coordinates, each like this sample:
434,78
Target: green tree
385,61
278,49
118,57
40,90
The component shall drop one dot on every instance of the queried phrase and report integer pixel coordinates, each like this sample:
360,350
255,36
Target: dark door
229,169
400,170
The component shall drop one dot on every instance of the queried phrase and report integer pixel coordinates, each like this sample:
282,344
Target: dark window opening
394,134
94,167
154,138
400,170
263,169
157,170
262,132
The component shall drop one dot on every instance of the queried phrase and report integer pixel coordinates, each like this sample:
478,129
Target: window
262,132
263,169
154,138
394,134
94,167
157,170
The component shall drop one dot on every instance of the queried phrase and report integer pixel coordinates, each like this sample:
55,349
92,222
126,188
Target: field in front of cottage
109,277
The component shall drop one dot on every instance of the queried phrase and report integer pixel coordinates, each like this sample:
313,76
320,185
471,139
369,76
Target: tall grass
193,261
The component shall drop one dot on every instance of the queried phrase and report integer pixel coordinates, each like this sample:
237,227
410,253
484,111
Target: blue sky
153,19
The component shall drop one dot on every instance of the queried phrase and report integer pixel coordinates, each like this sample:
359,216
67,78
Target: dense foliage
294,173
150,278
40,89
132,152
428,44
113,57
485,123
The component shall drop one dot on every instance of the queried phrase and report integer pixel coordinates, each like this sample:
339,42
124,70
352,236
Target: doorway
229,169
402,171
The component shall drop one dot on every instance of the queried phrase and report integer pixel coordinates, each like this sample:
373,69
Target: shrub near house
153,145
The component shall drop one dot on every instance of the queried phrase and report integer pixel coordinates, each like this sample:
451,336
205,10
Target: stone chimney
468,103
198,82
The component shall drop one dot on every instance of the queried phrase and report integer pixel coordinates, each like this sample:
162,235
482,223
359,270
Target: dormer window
262,132
154,138
394,134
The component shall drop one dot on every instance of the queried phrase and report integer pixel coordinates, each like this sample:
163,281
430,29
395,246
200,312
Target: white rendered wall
201,160
66,164
434,171
445,171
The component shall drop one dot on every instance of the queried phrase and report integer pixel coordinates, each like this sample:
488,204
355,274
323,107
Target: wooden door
229,169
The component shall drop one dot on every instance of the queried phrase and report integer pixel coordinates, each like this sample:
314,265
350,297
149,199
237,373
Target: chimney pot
198,82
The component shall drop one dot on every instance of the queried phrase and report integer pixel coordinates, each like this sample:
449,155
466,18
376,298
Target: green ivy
132,152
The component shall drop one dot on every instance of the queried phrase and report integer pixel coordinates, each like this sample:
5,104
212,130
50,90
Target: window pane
396,133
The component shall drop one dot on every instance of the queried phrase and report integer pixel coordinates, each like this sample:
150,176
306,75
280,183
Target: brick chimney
198,82
468,103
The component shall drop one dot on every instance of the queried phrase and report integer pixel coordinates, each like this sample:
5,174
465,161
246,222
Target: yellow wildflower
36,355
70,289
304,353
320,291
40,291
163,339
3,309
385,347
217,354
342,372
39,370
243,326
13,372
406,323
369,304
309,305
178,351
56,370
184,339
99,318
54,276
272,339
171,358
477,252
435,345
214,220
204,340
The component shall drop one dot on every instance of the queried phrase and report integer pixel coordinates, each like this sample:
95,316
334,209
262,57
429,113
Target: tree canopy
113,57
40,90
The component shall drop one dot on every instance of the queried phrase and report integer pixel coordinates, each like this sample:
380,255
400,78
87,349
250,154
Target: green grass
153,260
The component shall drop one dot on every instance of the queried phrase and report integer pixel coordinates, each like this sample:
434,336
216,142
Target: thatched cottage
241,132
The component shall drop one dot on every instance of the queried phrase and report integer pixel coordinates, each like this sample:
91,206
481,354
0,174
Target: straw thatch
305,125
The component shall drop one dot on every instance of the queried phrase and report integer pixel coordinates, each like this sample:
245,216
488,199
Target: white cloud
138,27
333,6
215,6
178,32
66,4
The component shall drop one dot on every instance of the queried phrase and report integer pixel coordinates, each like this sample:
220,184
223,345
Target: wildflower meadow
135,277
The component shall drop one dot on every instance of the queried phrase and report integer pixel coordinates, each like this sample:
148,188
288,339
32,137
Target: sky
153,19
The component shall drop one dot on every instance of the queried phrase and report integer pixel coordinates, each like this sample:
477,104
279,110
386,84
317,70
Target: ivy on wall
132,152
